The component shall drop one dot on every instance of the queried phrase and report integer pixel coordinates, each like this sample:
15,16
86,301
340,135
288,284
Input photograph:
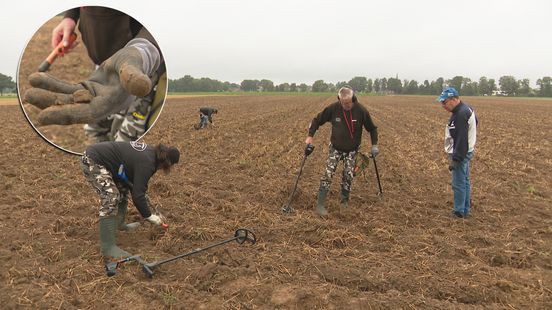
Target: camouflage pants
102,181
132,125
349,160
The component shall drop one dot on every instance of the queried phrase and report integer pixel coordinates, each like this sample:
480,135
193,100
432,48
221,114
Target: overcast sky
302,41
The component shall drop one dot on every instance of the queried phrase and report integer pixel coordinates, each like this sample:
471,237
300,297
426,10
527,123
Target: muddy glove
375,150
109,89
155,219
308,149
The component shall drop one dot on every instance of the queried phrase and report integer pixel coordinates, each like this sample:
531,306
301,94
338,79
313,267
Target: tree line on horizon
507,86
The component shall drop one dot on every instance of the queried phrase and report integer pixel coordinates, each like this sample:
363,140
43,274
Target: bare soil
400,251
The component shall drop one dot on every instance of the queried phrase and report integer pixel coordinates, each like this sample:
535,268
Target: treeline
7,85
506,86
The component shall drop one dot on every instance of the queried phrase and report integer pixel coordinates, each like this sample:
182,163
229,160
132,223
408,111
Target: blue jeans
461,185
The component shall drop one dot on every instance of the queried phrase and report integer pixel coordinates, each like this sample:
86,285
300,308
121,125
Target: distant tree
508,85
412,87
470,88
383,84
319,86
484,87
267,85
456,82
303,87
6,82
425,88
338,85
358,83
249,85
492,86
437,87
394,85
376,85
332,87
293,87
524,89
369,86
545,86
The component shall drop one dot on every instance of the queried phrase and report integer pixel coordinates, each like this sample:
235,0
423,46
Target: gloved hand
154,219
453,164
308,149
375,150
109,89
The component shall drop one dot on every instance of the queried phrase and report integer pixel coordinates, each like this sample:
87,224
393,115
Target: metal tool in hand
287,207
59,50
241,236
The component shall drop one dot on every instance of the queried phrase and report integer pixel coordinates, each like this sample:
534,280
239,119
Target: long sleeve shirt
346,125
139,165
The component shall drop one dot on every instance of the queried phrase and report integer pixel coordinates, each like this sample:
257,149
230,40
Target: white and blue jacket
461,132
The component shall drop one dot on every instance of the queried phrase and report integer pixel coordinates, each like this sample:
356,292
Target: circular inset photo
91,74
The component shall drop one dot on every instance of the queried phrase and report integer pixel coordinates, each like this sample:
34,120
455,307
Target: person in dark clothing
116,168
347,117
206,115
460,137
112,38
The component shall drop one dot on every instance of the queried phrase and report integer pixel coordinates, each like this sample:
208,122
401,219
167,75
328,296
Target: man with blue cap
460,137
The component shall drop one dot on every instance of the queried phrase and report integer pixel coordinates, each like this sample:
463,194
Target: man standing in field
347,117
460,136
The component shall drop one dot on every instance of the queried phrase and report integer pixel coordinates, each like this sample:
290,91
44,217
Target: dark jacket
346,125
139,166
105,31
209,112
462,129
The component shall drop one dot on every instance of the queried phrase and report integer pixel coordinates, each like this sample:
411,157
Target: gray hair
345,93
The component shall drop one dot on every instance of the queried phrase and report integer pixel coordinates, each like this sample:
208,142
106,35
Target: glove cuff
150,55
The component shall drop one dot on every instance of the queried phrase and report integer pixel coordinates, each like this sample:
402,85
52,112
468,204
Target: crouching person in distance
347,117
116,168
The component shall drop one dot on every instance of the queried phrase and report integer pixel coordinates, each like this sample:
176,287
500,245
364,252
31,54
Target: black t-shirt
346,125
138,160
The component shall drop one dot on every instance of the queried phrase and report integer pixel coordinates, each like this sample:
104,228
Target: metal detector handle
243,235
309,149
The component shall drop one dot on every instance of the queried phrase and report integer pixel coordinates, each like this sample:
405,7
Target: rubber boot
108,230
344,198
121,217
320,208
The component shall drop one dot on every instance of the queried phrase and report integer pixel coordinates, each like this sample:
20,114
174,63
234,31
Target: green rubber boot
344,198
121,217
108,230
320,208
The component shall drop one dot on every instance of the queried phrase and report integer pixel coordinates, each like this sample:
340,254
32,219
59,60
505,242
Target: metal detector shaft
241,235
287,206
377,175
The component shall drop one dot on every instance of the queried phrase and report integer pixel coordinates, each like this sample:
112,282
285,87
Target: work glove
111,88
308,149
154,219
375,150
453,164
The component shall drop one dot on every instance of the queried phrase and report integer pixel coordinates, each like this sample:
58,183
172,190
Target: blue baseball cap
447,93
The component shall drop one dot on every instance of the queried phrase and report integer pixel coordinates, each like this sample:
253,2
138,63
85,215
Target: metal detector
241,235
287,207
380,193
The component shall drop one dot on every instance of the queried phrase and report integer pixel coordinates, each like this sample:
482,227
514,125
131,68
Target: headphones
347,87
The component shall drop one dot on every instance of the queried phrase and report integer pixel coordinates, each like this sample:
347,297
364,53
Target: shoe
122,208
320,208
108,230
344,198
458,214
